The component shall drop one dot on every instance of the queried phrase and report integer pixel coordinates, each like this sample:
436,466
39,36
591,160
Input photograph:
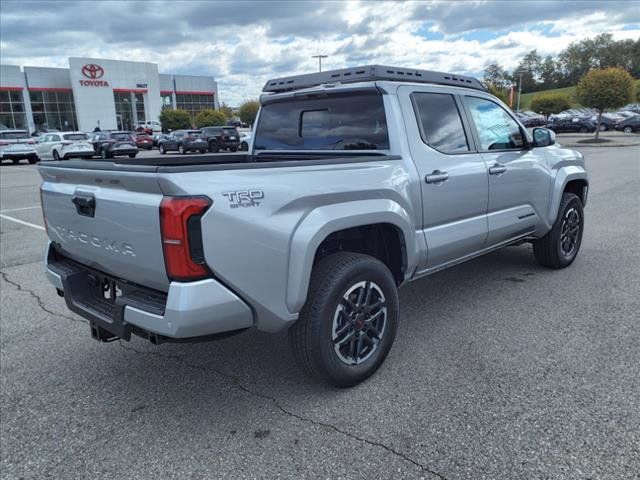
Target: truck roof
370,73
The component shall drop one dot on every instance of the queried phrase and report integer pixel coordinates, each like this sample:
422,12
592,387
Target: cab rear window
353,121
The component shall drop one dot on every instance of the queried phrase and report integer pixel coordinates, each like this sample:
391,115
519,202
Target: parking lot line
19,209
22,222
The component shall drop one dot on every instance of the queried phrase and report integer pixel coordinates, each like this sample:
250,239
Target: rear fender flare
322,221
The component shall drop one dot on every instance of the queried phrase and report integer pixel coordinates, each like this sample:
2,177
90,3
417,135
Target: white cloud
243,45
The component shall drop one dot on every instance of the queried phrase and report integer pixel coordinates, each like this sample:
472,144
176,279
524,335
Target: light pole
519,92
319,57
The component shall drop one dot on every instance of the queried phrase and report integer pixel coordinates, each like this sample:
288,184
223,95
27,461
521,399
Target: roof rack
370,73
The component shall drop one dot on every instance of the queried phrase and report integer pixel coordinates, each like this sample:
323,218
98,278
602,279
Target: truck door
453,175
518,175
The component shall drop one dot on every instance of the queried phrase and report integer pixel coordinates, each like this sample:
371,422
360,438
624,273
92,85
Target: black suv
184,141
110,144
222,138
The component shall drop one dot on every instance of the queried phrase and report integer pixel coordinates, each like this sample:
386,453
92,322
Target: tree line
568,67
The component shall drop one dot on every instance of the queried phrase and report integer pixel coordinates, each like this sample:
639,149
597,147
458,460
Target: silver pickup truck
356,181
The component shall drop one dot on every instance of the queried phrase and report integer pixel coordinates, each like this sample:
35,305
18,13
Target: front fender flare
565,175
323,221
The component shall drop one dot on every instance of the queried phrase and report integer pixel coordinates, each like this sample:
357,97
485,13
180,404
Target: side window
441,125
496,129
55,138
46,138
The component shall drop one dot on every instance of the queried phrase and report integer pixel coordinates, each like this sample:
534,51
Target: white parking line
22,222
19,209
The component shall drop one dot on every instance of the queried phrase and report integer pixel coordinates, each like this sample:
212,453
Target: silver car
16,145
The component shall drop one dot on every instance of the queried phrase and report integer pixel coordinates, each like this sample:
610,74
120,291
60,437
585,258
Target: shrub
210,118
248,111
605,88
174,120
548,103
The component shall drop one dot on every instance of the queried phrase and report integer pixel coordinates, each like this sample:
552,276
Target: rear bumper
186,312
18,155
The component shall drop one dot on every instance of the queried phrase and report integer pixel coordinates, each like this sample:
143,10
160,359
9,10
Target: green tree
226,110
605,88
548,103
496,77
174,119
248,111
501,93
548,73
528,70
210,118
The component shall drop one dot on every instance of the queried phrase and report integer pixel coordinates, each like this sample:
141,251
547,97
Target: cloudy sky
242,44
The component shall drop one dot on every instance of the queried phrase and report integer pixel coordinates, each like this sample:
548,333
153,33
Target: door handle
85,204
497,169
436,177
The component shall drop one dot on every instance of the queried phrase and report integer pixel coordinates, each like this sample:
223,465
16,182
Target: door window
440,122
495,127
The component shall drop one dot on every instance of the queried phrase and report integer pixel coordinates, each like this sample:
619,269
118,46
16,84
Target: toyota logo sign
92,71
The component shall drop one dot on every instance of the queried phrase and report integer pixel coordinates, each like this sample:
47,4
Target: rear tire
56,156
349,321
33,160
202,150
559,248
213,147
162,149
132,155
627,130
181,150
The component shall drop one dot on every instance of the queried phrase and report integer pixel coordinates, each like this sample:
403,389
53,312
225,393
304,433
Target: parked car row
531,119
211,139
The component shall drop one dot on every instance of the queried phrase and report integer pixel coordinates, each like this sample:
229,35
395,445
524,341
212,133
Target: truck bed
181,163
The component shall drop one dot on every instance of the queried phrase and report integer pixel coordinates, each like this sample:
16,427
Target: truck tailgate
108,220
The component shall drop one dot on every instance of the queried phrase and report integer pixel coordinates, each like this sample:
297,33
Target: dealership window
124,113
194,102
139,103
12,109
53,110
166,101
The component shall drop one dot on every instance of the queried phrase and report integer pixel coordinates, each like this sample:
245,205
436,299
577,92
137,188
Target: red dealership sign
93,72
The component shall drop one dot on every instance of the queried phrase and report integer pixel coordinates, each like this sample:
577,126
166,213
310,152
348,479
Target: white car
152,125
64,145
16,145
245,140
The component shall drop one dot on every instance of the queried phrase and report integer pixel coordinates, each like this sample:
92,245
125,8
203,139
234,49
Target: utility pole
319,57
519,91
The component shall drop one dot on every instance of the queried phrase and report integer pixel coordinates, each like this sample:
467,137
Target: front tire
627,130
349,321
162,150
33,160
181,150
56,155
559,248
132,155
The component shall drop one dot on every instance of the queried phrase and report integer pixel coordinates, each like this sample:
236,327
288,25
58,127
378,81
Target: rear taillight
4,144
182,237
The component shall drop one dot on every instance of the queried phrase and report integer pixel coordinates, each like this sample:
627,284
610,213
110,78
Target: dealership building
95,92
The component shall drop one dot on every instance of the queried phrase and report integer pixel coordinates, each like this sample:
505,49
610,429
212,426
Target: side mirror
543,137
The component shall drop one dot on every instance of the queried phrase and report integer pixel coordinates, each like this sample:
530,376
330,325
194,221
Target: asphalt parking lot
501,369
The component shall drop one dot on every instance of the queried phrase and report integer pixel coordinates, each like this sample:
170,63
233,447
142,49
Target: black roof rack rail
370,73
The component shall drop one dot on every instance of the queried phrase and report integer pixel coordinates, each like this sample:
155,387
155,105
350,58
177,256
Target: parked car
222,138
144,141
363,185
607,121
43,130
632,107
184,141
62,146
531,119
16,145
109,144
153,126
575,124
628,125
245,140
156,137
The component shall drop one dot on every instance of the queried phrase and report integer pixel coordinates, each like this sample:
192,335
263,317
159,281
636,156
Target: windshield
353,121
121,137
76,136
13,135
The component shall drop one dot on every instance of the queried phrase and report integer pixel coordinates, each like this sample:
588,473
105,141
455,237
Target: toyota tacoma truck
356,182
